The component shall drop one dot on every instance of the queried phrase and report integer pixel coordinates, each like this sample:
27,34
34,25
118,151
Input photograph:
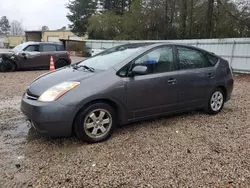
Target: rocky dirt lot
188,150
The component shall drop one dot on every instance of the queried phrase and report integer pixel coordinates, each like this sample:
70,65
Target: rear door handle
172,81
210,75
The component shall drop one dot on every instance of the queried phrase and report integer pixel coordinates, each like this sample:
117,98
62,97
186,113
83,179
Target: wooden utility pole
191,17
183,16
209,19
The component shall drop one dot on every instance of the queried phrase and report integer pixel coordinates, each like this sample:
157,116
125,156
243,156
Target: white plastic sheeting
75,38
53,39
235,50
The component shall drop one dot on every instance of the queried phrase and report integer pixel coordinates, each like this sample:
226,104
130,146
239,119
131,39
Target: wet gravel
187,150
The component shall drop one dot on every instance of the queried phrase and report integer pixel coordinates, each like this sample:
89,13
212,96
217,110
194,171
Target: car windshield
19,47
113,56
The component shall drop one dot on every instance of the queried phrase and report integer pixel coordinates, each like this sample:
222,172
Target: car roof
155,44
37,43
134,45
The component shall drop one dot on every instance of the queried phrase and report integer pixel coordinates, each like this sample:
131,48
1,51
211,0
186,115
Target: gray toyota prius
125,84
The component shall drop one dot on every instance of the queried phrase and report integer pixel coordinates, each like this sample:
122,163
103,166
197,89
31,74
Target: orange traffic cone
52,64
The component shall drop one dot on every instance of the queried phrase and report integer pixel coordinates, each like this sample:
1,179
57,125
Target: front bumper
51,119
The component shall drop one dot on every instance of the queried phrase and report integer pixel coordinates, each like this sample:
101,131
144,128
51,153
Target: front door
196,77
30,56
155,93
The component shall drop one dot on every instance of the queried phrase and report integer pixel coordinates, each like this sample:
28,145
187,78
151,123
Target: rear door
47,50
62,53
196,77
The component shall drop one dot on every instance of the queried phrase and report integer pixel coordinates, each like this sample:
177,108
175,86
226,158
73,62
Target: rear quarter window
48,47
212,59
60,48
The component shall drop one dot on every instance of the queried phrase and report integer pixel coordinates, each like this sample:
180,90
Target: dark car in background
34,55
126,84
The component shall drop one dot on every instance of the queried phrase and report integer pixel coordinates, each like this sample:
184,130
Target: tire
215,102
61,63
2,67
8,66
95,123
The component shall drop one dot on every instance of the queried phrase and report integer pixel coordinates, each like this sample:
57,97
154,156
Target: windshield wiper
91,69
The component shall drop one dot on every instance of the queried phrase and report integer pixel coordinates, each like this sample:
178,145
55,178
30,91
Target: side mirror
139,70
23,54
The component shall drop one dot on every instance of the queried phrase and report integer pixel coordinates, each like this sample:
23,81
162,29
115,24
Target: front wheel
95,123
7,66
216,101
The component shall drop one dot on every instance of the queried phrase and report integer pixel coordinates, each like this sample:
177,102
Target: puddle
13,124
23,130
16,136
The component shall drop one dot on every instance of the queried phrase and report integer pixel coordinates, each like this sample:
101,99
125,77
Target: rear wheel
95,123
216,101
61,63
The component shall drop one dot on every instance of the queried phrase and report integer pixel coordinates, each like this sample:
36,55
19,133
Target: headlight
57,91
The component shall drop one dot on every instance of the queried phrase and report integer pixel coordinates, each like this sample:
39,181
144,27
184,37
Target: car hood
50,79
6,53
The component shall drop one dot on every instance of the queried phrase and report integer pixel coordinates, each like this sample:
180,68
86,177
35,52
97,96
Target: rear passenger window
212,59
48,48
60,48
191,59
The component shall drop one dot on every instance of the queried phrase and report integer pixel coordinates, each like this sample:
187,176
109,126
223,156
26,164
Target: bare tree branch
16,28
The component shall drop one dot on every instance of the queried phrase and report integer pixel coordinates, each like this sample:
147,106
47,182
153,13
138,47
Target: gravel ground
188,150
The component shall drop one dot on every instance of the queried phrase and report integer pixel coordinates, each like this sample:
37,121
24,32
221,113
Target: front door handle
172,81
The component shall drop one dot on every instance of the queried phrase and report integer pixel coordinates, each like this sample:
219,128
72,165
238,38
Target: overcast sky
35,13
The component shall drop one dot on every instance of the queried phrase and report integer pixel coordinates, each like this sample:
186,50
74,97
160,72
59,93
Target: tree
45,28
117,6
169,19
64,28
133,23
80,12
16,28
191,17
104,26
114,26
4,26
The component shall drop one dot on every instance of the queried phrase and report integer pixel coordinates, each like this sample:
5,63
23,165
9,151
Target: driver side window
32,48
158,61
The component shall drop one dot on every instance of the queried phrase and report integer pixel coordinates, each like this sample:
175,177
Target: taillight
68,54
231,69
